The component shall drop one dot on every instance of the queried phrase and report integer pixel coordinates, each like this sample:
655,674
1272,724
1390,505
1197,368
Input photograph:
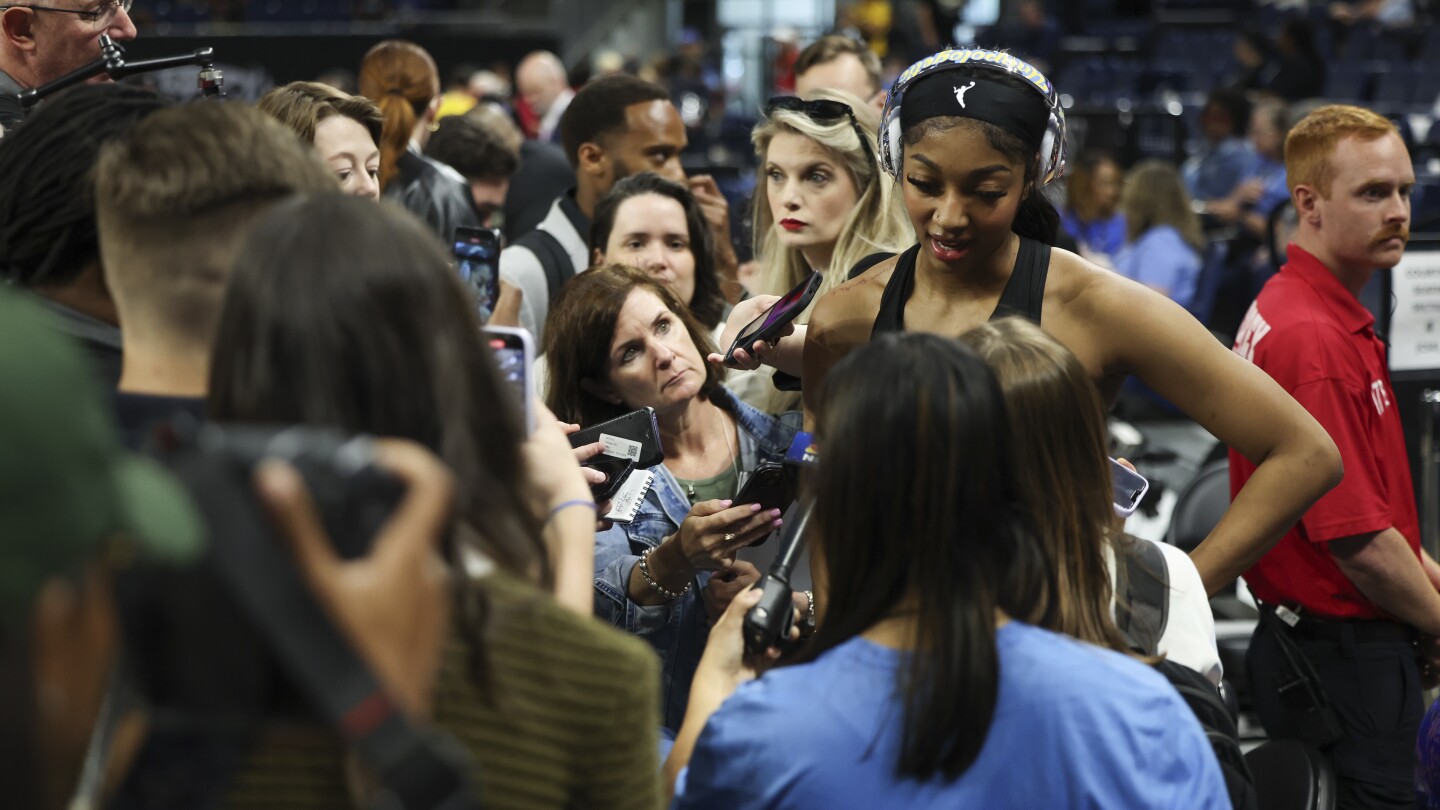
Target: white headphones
1051,159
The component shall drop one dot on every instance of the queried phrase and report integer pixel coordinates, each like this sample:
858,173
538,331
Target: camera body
195,652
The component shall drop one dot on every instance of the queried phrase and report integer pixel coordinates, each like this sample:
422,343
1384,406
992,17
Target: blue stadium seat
1395,85
1425,203
1347,81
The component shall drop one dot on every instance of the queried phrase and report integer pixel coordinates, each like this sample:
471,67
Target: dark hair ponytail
1036,218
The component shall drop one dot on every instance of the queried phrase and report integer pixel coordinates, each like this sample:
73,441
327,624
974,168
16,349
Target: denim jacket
678,629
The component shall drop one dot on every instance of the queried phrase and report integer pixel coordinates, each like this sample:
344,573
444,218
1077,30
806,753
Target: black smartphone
477,259
768,325
515,355
634,436
771,485
615,470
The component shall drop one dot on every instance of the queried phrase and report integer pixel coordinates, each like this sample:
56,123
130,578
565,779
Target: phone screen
513,358
477,252
775,314
1129,488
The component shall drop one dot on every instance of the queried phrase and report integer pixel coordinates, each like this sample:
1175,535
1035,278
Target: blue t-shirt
1218,169
1101,236
1161,258
1074,726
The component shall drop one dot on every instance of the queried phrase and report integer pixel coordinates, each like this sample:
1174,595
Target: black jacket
433,192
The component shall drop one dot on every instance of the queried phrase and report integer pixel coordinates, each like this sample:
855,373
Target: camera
196,653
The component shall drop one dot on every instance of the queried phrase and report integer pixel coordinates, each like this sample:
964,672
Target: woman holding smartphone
929,681
617,340
1058,437
973,136
346,315
822,204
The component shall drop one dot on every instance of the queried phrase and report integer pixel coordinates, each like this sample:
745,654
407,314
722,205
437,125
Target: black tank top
1023,295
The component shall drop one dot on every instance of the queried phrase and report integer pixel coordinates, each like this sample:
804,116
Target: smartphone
515,355
615,470
768,325
634,436
1130,488
771,485
477,259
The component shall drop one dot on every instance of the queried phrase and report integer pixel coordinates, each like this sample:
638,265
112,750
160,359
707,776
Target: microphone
769,622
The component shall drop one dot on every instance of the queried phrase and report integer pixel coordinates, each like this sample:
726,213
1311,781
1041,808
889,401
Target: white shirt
1189,637
551,120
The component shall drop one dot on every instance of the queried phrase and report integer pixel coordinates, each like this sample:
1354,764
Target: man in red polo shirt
1348,589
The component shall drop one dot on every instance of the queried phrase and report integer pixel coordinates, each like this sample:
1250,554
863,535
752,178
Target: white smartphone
1130,488
515,355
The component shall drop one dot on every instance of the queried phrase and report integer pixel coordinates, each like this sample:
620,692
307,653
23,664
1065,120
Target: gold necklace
729,448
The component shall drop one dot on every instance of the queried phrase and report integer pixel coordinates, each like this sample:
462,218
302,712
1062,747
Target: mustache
1403,232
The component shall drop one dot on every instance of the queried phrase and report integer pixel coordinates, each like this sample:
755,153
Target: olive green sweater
572,718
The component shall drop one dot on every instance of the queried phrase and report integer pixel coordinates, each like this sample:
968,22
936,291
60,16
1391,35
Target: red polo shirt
1309,333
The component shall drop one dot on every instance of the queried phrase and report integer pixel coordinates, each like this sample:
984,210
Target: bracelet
661,589
566,505
807,625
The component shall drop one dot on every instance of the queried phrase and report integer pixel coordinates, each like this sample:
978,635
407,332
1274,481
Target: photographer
926,683
347,315
618,340
80,510
39,45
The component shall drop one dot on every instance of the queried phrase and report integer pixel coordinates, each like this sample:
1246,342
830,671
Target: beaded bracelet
660,589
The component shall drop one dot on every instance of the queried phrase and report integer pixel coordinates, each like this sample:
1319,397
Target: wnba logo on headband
1029,108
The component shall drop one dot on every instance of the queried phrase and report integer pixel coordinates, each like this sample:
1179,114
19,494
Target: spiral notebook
626,503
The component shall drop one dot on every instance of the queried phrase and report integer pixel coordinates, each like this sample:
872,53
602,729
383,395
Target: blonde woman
826,204
822,204
1162,232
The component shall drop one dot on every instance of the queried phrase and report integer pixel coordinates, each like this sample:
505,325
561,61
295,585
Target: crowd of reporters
180,269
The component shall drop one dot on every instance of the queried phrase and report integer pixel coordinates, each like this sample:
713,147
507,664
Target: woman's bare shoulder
855,300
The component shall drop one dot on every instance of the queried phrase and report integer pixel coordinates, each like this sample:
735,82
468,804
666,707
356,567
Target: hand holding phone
477,260
515,355
634,436
772,322
1129,486
772,486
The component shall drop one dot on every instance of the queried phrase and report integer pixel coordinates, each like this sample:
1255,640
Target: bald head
541,79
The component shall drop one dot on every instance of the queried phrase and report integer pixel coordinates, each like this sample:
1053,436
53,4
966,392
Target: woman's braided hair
47,205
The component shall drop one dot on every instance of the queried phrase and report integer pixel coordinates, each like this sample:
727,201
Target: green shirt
715,488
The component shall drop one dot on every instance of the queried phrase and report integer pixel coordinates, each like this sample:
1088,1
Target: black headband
1021,112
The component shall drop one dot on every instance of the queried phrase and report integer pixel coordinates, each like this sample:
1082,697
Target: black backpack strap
553,258
1142,593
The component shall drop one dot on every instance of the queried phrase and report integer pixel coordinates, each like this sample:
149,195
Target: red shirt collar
1336,296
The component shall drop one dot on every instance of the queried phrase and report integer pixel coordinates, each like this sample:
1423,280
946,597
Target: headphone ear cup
892,145
1047,156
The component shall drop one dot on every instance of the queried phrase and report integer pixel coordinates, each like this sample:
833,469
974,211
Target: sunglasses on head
820,110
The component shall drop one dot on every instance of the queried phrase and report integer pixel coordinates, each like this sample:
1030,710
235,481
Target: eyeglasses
820,110
103,13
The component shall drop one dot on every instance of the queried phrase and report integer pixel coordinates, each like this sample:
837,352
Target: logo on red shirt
1381,395
1252,330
